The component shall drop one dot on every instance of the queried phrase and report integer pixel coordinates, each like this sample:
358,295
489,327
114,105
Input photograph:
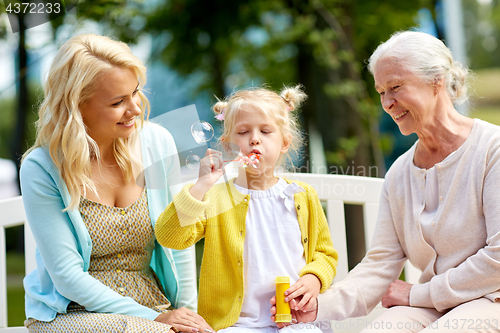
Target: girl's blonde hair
279,108
72,80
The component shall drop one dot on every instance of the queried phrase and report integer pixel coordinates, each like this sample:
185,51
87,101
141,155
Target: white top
272,248
432,201
465,261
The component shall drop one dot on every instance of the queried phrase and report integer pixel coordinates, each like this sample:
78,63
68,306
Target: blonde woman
99,267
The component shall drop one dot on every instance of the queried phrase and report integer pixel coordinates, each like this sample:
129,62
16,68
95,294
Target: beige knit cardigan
465,263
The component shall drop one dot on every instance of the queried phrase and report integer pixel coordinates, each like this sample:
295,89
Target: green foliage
8,115
482,29
15,290
320,43
15,303
346,150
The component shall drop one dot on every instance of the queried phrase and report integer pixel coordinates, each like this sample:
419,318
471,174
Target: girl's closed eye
118,103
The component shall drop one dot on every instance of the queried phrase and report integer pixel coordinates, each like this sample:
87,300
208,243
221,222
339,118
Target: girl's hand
308,287
211,169
184,320
306,315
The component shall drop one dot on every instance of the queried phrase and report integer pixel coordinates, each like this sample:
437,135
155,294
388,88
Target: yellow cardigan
220,218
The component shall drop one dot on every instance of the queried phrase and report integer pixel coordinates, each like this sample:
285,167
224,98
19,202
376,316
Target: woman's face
111,112
404,95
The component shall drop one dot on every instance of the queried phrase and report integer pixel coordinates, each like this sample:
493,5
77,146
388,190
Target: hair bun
458,82
293,96
219,107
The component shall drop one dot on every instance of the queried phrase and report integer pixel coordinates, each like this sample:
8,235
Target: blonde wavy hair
277,107
72,80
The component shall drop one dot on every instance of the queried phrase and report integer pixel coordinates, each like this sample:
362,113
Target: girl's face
255,133
110,113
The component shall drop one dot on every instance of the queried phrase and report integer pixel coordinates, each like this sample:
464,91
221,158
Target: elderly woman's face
405,96
110,113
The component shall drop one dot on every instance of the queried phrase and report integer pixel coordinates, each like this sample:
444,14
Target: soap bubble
193,161
202,131
253,161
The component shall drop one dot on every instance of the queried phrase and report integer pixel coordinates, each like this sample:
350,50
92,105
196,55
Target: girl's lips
256,151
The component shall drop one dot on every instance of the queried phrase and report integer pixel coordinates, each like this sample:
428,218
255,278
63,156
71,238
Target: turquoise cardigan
64,245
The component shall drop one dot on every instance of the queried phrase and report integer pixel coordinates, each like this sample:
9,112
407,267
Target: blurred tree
482,28
321,44
20,20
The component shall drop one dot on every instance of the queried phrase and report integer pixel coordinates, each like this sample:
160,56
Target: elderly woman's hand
398,293
184,320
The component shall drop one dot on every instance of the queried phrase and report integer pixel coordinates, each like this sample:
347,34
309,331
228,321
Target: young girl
256,226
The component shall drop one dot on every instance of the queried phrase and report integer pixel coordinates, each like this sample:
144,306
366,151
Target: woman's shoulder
38,156
401,165
486,131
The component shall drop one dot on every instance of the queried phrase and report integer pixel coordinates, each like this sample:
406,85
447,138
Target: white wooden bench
12,214
335,190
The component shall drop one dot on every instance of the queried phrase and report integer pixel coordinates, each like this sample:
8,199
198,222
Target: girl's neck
255,181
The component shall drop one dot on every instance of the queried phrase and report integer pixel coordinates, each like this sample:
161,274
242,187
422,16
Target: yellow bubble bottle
282,308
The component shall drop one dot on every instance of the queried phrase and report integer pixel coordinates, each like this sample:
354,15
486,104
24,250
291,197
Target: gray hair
427,56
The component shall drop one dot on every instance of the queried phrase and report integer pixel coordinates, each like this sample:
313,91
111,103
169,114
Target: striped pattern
122,244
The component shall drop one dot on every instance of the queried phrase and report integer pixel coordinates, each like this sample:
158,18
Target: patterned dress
122,244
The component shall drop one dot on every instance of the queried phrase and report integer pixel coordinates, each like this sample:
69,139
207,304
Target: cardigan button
305,240
298,207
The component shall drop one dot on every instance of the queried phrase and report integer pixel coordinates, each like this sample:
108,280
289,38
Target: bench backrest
335,190
12,214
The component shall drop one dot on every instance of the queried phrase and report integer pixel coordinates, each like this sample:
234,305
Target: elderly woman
440,205
93,186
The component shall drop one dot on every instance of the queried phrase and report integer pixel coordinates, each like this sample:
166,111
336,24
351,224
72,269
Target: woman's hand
211,169
306,315
398,293
308,287
184,320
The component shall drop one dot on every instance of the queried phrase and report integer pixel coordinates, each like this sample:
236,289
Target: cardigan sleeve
183,222
58,247
364,286
479,275
324,257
